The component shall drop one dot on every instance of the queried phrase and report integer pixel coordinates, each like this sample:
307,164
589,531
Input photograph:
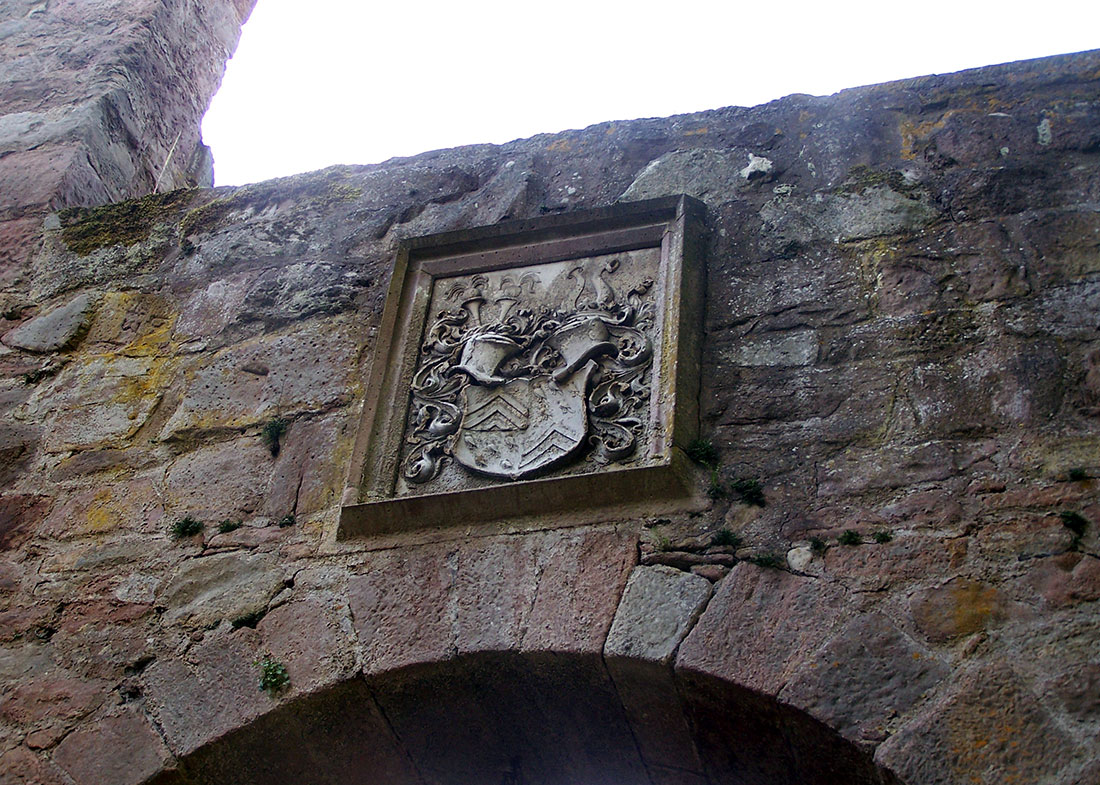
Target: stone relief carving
526,370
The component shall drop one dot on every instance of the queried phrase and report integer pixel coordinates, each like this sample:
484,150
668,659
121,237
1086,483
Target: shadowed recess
536,719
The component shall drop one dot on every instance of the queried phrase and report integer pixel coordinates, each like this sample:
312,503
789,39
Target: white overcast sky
345,81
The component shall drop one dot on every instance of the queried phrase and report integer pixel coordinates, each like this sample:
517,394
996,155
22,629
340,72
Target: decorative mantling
529,367
534,368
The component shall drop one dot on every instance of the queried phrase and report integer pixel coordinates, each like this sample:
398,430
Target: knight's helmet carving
579,340
483,355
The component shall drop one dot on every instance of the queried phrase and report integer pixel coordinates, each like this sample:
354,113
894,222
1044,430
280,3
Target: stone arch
531,717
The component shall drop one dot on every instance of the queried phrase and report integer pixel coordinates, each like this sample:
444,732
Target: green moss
703,452
272,434
862,178
345,193
248,620
84,230
766,560
1074,521
662,543
750,490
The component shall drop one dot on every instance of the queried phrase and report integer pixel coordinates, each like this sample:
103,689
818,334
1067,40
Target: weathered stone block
657,609
306,370
120,749
991,729
213,691
56,329
864,678
760,626
224,587
958,607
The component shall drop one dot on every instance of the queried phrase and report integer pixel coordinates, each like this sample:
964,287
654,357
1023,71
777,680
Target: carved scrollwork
507,385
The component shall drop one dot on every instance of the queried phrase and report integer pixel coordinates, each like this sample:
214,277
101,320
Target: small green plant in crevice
248,619
818,545
882,536
702,452
272,433
662,543
766,560
186,526
229,525
1077,475
37,375
716,489
726,538
850,537
1076,523
273,675
286,521
750,490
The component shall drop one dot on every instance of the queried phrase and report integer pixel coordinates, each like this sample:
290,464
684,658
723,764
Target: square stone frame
673,224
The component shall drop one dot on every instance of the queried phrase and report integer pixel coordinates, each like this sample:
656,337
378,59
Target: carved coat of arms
524,371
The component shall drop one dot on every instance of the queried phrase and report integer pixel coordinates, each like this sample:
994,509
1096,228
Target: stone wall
902,348
100,99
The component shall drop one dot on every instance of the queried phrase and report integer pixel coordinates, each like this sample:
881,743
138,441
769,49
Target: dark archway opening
536,719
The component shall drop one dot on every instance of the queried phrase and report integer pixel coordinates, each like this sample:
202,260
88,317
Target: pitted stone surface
992,729
760,626
657,609
863,679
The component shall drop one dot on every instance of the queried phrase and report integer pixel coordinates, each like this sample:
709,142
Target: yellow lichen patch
101,515
697,131
973,606
138,388
559,146
911,133
137,324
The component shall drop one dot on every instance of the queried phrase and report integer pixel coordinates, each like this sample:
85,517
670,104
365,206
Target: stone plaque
533,368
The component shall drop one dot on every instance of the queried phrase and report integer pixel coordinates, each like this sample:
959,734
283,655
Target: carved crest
522,372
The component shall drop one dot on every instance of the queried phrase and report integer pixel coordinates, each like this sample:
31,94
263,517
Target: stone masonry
895,577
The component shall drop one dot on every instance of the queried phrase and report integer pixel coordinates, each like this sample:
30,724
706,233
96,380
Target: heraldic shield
523,426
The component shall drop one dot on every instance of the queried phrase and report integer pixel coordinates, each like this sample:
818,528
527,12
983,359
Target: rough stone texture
53,330
554,592
865,679
901,339
658,607
990,730
101,101
221,587
119,749
760,626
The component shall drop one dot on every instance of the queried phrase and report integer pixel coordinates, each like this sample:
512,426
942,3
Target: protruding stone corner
656,612
56,329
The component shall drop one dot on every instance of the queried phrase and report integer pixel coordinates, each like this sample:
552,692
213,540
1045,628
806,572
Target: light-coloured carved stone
546,366
528,369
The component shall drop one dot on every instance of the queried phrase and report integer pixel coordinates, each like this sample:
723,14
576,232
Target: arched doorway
534,718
